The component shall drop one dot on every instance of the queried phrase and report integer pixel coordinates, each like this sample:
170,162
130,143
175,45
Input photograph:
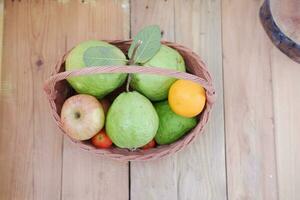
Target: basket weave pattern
58,90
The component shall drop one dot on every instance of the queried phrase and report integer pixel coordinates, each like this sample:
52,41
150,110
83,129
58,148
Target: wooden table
249,150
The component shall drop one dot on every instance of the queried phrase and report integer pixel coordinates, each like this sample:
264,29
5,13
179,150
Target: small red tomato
151,144
101,140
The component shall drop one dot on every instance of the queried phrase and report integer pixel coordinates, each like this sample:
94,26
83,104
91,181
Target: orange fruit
186,98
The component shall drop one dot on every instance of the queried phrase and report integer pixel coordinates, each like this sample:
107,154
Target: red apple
82,116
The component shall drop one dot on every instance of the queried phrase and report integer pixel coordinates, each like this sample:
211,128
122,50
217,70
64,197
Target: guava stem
128,83
132,149
132,61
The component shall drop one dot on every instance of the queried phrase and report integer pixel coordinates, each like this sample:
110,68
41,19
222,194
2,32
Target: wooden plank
1,34
30,148
158,12
201,176
85,175
154,179
286,87
250,144
190,174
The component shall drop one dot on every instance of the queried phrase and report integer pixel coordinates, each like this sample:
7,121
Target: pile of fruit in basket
153,110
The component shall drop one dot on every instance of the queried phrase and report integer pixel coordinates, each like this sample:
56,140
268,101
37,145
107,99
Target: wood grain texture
1,35
30,148
145,12
192,173
286,87
250,143
85,175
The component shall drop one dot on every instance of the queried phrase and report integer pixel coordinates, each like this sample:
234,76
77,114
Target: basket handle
49,84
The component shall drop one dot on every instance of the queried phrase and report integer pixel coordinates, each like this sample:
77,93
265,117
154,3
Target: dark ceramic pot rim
279,39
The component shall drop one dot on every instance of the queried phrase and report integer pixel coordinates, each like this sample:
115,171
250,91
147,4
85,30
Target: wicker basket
58,90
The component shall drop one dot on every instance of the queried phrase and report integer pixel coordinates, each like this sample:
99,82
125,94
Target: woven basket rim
125,154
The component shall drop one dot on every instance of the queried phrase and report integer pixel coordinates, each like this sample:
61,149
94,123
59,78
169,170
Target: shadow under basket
58,90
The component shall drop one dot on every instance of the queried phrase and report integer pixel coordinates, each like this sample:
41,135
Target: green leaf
101,55
150,37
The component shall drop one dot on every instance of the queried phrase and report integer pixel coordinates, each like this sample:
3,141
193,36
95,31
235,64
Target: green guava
171,126
131,120
97,85
156,87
